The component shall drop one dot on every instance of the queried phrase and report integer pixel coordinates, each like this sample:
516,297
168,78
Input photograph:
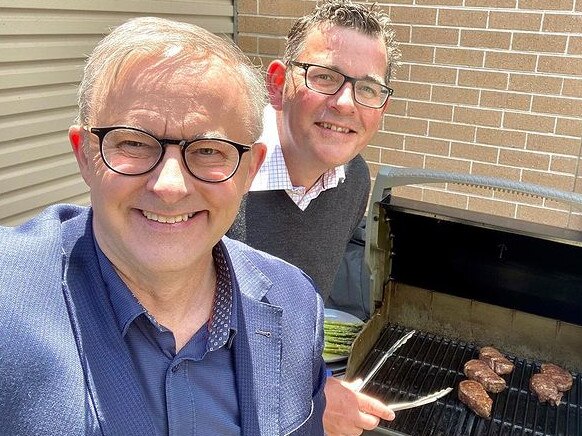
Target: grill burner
427,363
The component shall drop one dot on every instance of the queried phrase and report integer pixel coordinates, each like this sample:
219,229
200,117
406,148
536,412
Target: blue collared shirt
192,392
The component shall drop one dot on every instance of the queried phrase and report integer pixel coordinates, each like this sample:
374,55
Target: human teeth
167,219
335,128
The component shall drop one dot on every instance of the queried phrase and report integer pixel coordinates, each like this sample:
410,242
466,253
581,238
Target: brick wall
487,87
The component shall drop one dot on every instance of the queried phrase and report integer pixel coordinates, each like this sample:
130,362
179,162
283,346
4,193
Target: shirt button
176,367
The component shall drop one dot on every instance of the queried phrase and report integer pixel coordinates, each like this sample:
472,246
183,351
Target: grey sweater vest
314,239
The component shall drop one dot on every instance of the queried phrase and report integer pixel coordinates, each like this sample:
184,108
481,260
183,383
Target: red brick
371,154
455,94
446,164
474,152
413,15
535,84
442,198
405,125
558,181
515,20
383,139
506,100
485,39
439,2
462,18
483,79
560,65
501,137
431,111
420,144
564,164
490,4
553,144
491,206
569,127
287,8
457,132
434,35
529,122
459,56
562,23
402,158
575,45
511,61
433,74
557,105
417,53
524,159
485,169
542,216
247,6
539,43
477,116
556,5
416,91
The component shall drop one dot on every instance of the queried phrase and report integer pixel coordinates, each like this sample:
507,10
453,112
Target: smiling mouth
166,218
335,128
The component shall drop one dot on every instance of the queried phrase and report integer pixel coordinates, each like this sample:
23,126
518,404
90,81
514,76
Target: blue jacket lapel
113,387
257,350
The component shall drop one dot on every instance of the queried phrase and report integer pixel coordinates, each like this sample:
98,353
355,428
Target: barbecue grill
463,280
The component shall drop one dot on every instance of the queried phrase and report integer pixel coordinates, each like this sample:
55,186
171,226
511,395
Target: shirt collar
222,323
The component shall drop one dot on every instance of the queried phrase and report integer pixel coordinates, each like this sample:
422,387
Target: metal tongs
420,401
404,405
383,359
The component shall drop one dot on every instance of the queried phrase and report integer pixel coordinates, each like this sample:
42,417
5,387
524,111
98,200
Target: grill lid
521,265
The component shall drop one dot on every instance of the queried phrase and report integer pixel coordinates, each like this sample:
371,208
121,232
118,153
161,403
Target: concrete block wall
488,87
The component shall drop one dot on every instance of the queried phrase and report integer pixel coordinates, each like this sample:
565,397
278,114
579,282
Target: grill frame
386,299
428,362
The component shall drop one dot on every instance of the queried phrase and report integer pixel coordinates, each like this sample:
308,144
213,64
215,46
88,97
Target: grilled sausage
545,389
474,395
496,361
479,371
561,377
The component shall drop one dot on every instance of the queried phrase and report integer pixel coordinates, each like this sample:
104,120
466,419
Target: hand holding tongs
383,359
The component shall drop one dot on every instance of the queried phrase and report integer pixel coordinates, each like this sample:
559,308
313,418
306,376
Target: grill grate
427,363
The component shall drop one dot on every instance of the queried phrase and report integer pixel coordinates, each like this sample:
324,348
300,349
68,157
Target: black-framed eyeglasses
328,81
133,152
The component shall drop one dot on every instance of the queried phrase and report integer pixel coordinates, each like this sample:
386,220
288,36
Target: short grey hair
145,37
367,19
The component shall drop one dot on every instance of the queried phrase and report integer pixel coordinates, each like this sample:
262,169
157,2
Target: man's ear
77,138
258,153
276,83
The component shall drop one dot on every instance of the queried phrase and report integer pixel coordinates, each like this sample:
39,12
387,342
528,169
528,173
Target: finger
367,421
375,407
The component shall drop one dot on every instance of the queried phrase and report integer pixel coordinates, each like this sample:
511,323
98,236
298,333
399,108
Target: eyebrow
372,78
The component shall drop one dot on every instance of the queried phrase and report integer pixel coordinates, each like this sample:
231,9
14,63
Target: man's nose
170,179
343,100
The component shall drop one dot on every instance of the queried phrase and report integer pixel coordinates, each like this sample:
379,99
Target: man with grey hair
136,316
328,96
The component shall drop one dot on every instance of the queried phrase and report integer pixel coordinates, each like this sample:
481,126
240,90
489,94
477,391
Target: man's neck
302,173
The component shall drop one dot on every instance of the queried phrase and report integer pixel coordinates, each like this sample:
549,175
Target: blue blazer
65,369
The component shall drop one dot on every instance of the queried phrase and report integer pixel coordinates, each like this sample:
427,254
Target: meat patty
479,371
544,387
496,361
473,394
561,377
